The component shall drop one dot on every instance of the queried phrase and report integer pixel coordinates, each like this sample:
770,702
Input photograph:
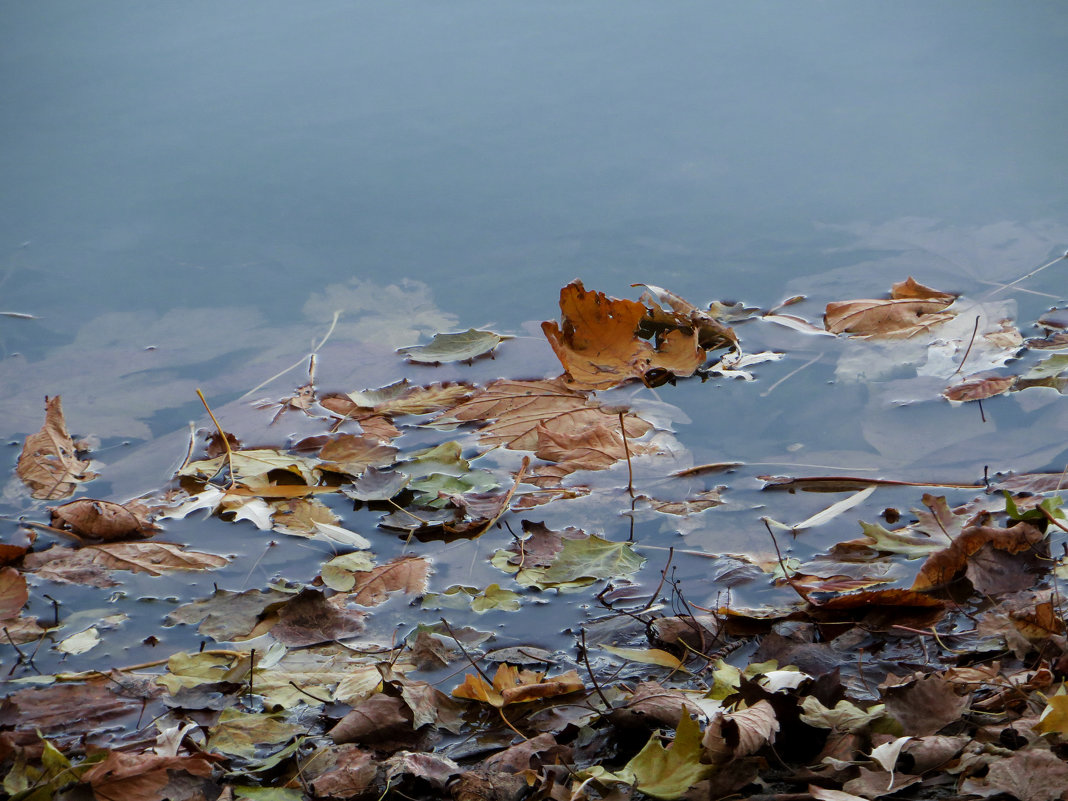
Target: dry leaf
979,387
514,686
48,464
407,574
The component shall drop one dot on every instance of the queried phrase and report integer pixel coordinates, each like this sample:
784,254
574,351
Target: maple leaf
664,773
514,686
599,344
48,464
370,587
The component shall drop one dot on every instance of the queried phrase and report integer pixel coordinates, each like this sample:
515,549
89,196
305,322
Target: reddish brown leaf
48,464
13,593
139,777
407,574
945,565
350,454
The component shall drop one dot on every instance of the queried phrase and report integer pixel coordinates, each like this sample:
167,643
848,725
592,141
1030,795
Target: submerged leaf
463,346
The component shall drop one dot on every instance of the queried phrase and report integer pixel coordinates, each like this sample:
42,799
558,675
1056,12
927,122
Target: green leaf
241,733
647,656
461,597
667,773
458,347
339,573
580,562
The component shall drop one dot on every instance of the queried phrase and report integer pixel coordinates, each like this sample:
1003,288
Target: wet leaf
1028,775
647,656
377,485
340,572
352,455
407,574
48,464
308,619
484,600
923,704
512,685
963,554
660,772
598,343
13,593
463,346
79,643
103,520
89,565
229,616
979,387
912,309
579,562
241,733
139,777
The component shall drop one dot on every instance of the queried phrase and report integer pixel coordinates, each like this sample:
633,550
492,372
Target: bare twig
626,450
225,440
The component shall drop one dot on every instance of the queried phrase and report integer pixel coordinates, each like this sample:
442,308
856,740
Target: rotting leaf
49,464
463,346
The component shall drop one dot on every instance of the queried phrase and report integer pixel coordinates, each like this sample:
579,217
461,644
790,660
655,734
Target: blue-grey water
189,190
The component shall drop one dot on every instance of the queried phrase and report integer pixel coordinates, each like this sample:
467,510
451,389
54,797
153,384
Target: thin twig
1031,274
969,350
300,361
663,578
791,374
586,659
225,439
785,572
519,476
626,450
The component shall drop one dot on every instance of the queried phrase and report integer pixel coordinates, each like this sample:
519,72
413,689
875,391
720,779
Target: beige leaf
48,464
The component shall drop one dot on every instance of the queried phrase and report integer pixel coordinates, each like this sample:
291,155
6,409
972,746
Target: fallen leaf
139,777
350,776
979,387
13,593
1029,775
647,656
963,554
660,772
922,704
89,565
351,455
241,733
512,685
469,344
48,464
598,343
229,616
911,309
79,643
103,520
407,574
372,720
730,735
307,619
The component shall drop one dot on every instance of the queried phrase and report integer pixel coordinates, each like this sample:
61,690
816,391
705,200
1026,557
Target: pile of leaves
923,658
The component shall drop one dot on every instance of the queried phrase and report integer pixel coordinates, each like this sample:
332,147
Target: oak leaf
48,464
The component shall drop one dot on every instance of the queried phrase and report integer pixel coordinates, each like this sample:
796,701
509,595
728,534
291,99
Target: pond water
191,191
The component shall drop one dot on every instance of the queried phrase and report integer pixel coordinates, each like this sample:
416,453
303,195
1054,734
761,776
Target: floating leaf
979,387
512,685
911,309
48,464
460,347
647,656
79,643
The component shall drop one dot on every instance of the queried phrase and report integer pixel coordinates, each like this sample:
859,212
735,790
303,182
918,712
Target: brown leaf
652,704
407,574
598,343
516,413
923,704
378,717
979,387
350,454
530,754
139,777
594,447
89,565
880,609
48,464
911,289
103,520
731,735
514,686
943,566
309,620
1030,775
351,775
911,309
13,593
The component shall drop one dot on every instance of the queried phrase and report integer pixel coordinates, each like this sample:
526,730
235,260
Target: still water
190,190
